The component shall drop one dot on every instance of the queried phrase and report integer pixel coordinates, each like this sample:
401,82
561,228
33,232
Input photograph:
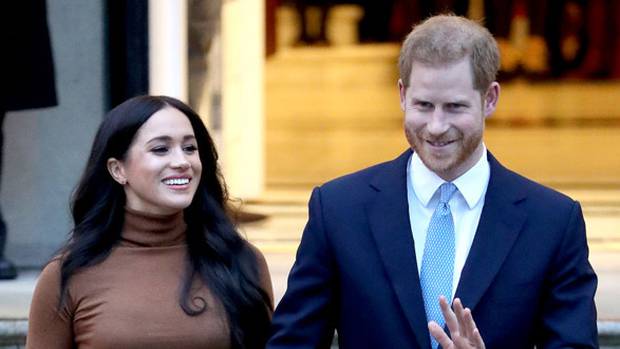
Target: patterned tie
438,259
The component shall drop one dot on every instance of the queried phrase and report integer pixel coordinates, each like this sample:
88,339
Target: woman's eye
190,148
160,150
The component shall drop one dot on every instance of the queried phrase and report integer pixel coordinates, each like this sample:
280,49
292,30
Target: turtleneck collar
142,229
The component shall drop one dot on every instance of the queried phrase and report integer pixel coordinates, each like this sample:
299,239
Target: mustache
450,135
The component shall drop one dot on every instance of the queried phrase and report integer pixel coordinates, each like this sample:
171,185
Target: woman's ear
117,171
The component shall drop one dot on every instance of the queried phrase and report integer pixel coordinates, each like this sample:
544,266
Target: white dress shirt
466,206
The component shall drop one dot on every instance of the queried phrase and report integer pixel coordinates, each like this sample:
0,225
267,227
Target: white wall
46,149
168,48
243,42
240,139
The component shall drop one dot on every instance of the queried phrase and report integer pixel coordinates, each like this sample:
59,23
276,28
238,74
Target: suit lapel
388,215
499,226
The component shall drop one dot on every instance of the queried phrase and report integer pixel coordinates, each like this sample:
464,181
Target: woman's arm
49,326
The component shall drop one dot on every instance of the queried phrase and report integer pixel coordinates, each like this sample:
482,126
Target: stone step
13,334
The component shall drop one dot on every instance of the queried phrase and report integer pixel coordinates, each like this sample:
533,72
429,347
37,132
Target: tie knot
446,191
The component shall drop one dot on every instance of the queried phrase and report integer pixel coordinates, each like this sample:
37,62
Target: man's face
444,116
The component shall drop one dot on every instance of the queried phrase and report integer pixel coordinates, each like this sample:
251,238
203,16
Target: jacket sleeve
569,312
305,318
49,326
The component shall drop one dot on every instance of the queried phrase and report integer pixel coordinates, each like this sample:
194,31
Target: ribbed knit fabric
131,299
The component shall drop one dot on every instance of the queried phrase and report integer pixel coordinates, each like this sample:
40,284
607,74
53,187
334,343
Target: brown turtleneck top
131,299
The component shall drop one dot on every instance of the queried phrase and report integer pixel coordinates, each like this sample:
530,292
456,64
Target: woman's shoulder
47,289
263,270
50,274
258,254
49,322
49,280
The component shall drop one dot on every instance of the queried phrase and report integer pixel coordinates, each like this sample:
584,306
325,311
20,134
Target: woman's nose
180,160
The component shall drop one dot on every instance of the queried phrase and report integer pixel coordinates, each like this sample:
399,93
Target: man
445,220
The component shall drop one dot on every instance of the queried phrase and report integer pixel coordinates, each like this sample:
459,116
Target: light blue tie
438,259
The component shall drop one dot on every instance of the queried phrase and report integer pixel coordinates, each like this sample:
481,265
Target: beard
457,157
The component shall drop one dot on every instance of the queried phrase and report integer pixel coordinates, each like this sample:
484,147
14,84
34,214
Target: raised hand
461,324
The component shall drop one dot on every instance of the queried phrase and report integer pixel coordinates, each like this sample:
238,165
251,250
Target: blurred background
297,92
335,84
331,106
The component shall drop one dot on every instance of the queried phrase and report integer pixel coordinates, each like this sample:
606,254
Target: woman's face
161,171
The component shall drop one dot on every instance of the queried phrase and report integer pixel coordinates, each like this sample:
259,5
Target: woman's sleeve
48,325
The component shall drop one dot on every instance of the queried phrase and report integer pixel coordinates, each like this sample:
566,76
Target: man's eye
424,105
456,106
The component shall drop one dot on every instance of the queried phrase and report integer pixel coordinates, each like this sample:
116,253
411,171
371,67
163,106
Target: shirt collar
472,184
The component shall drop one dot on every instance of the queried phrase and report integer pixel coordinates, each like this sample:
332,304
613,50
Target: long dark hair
216,252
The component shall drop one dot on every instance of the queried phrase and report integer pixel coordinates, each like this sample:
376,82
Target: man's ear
402,92
117,170
491,98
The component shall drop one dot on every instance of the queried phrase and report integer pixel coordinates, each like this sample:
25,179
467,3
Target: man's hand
462,327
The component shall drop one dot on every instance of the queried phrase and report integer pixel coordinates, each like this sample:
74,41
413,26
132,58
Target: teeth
176,181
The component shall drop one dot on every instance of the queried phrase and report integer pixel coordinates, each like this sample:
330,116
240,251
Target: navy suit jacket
527,277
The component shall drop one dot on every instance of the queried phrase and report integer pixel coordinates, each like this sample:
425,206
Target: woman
152,261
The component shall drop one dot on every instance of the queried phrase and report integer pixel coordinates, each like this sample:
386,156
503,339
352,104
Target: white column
242,96
168,48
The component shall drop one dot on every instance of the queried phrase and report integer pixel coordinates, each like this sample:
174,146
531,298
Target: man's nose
437,124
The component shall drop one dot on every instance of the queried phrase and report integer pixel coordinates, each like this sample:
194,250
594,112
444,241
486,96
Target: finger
464,329
468,325
477,339
448,315
462,343
440,335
